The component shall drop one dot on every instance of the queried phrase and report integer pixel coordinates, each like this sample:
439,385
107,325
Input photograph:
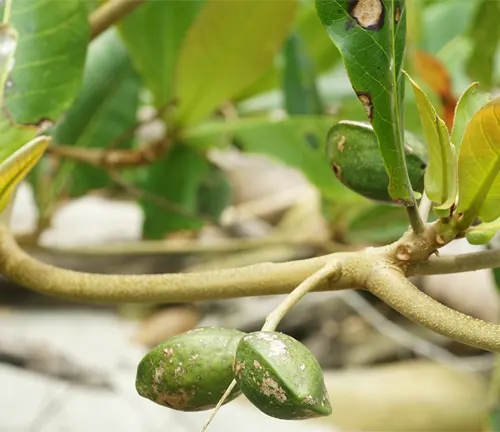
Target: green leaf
104,109
485,35
8,44
299,79
380,224
370,35
445,21
154,34
298,142
179,180
483,233
230,45
13,136
441,172
470,101
49,60
15,168
479,165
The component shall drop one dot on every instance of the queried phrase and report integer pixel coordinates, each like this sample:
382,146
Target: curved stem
391,286
260,279
109,14
331,270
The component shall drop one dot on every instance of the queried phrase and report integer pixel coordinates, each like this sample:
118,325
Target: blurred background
246,184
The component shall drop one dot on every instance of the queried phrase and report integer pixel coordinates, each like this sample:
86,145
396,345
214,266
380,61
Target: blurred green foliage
263,77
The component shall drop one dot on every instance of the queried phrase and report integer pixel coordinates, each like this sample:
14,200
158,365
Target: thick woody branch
391,286
109,14
260,279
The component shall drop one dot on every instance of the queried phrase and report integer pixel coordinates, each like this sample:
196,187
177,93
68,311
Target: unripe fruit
355,158
190,371
281,377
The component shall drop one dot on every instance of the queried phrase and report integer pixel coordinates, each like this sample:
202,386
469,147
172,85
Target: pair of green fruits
191,372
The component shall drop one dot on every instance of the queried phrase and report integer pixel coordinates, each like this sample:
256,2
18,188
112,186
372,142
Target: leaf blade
469,103
370,35
479,165
441,172
53,37
209,55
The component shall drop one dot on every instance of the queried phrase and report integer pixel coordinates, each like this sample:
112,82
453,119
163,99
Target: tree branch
459,263
260,279
112,158
392,287
109,14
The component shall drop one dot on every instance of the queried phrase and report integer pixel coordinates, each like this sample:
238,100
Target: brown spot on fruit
337,171
270,387
366,100
369,14
340,145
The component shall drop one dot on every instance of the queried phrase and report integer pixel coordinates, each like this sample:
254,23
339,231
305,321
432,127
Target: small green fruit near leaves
190,371
281,377
355,158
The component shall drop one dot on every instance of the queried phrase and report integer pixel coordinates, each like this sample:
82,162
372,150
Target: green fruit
190,371
281,377
355,158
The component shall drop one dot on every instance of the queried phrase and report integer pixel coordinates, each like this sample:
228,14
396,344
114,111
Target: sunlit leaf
441,172
15,168
229,46
49,59
483,233
299,79
479,166
104,109
470,101
485,35
370,35
154,34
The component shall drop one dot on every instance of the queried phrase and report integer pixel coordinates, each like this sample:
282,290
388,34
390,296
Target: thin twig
487,259
425,207
112,158
109,14
329,271
155,247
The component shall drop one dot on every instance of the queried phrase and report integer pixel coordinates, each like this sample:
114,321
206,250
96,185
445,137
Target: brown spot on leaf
369,14
397,14
366,100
